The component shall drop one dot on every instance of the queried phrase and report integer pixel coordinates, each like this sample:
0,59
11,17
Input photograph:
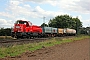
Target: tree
65,21
85,30
2,32
8,31
44,25
77,24
5,31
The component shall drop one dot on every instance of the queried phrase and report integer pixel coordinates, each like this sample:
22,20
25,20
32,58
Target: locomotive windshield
20,22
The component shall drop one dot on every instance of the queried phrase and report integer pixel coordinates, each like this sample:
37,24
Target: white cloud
13,2
79,16
16,11
86,23
28,11
72,5
27,6
37,1
47,14
5,23
22,18
6,14
39,9
79,6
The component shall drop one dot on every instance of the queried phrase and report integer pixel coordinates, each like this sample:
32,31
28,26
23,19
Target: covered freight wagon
46,31
49,31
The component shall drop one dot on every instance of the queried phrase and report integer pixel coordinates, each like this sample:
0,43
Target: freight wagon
70,32
49,31
61,32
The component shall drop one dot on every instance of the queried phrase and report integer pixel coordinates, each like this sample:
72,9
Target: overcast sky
35,10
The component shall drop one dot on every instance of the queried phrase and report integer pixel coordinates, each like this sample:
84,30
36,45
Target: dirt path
77,50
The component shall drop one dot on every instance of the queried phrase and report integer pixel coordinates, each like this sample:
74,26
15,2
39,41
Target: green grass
19,49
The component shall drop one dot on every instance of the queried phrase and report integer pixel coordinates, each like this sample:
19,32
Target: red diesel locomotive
25,29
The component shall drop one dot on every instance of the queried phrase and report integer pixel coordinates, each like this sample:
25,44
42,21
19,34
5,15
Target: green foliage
5,31
85,30
65,21
44,25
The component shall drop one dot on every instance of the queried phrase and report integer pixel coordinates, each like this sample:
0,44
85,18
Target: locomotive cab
19,28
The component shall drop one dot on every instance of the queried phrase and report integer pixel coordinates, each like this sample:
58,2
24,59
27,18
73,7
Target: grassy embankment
19,49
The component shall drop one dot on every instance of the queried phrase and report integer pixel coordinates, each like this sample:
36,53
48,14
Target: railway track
32,40
12,42
19,40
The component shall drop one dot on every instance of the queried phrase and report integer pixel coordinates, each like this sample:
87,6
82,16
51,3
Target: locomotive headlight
17,26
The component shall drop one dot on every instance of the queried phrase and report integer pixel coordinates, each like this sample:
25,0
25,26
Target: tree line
64,21
5,32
